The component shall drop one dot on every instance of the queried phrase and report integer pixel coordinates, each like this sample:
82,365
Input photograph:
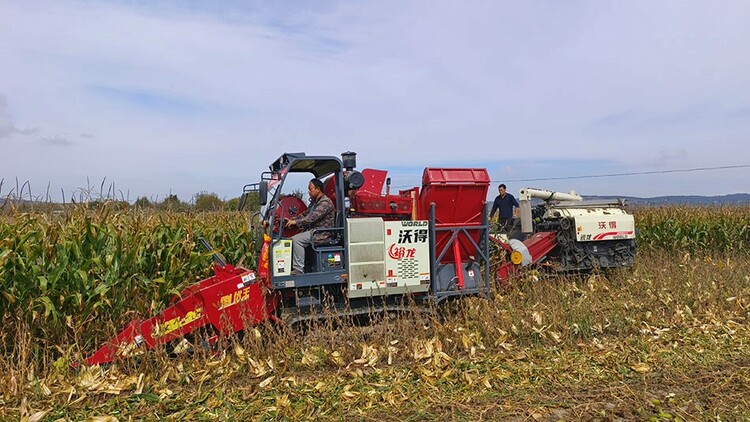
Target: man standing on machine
505,203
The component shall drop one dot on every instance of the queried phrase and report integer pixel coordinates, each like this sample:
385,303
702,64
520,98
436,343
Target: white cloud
57,141
7,126
204,98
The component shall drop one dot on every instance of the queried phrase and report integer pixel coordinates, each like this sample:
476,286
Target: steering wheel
288,207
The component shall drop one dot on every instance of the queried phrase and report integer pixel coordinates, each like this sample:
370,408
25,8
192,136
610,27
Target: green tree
231,204
109,203
208,201
143,202
172,203
252,202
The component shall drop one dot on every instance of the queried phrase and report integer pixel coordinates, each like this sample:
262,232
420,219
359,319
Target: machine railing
441,289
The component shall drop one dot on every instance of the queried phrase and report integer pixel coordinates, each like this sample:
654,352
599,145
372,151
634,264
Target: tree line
202,201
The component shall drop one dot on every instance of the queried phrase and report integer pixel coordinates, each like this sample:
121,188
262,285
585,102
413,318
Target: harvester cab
383,247
280,194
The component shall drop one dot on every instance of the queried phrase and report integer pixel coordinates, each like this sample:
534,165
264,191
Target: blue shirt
505,205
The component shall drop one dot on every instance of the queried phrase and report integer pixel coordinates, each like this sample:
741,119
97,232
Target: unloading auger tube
525,203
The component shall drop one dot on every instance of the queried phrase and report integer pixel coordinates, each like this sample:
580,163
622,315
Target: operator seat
330,254
329,189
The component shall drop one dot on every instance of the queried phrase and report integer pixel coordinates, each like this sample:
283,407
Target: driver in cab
319,215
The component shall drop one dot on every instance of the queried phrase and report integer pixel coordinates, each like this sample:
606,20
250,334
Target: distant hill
733,199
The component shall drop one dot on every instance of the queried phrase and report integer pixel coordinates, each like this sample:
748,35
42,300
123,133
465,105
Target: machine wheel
603,262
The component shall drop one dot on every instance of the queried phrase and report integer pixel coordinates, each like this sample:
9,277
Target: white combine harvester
588,234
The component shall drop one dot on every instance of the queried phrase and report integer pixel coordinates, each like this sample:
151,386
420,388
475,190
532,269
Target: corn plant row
694,229
56,270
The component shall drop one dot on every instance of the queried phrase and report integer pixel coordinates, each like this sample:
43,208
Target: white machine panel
282,257
366,257
388,257
407,256
596,227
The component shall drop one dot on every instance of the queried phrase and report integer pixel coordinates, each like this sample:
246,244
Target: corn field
694,229
643,340
99,265
96,266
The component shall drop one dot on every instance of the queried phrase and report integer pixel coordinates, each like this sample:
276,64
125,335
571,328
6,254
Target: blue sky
184,97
